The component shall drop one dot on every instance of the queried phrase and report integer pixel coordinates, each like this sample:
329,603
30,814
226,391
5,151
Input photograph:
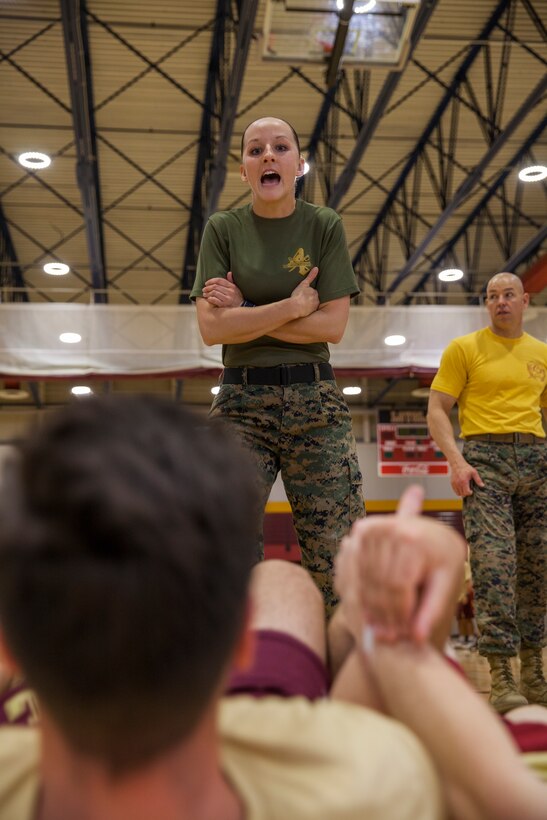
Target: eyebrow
279,137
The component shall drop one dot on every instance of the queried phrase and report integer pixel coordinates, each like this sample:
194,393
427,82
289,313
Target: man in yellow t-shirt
498,377
126,545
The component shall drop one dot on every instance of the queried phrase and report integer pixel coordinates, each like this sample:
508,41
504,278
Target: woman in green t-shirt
273,286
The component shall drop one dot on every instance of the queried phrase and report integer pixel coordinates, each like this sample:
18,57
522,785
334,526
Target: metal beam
384,391
78,61
525,251
212,101
318,128
13,278
479,207
247,14
344,17
365,135
458,79
472,179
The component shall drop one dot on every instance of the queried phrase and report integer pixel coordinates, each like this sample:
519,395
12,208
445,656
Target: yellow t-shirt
288,759
500,384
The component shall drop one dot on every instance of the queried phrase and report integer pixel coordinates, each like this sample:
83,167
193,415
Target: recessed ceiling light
451,275
534,173
34,160
56,268
352,390
70,338
13,393
364,7
395,340
81,390
215,389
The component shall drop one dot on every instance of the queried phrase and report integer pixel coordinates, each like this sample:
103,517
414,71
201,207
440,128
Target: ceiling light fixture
13,393
364,8
215,389
34,160
306,167
534,173
395,340
56,268
357,9
450,275
352,390
421,392
81,390
70,338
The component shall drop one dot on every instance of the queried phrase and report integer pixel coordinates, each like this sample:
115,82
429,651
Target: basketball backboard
303,31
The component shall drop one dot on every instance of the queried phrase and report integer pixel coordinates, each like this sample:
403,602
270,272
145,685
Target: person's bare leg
340,642
350,678
533,713
286,599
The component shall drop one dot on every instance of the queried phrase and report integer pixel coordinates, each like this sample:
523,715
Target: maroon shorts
18,706
282,666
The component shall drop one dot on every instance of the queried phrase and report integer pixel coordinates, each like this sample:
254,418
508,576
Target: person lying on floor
176,681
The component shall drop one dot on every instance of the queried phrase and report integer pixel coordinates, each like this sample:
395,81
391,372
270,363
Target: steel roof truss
78,60
456,82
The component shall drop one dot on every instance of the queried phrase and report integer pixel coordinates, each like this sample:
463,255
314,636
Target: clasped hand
224,293
397,575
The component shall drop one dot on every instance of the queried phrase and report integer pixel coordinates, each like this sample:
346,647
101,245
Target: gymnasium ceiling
141,107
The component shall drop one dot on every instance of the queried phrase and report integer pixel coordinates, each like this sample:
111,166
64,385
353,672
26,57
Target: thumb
230,276
411,501
432,605
311,275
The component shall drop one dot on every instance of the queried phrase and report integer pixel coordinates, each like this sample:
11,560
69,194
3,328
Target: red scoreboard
405,446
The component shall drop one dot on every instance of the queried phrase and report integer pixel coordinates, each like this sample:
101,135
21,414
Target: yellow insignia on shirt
537,371
300,261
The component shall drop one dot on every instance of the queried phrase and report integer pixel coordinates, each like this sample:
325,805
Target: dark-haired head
295,135
126,543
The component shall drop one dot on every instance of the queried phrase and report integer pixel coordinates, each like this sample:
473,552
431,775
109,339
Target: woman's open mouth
270,178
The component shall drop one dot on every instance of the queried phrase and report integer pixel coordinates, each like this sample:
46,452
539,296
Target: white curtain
145,340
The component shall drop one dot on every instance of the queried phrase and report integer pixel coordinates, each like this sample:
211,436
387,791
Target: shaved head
506,302
505,280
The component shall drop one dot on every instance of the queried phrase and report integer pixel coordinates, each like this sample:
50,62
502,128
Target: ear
300,171
525,299
244,652
9,668
242,173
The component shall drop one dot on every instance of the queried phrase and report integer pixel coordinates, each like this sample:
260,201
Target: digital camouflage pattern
505,525
303,431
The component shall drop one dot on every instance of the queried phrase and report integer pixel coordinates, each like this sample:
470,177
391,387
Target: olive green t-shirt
268,259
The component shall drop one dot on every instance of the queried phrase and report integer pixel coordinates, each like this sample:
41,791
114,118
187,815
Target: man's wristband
246,303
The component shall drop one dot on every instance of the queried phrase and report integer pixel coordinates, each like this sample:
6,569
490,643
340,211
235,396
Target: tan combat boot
532,683
504,694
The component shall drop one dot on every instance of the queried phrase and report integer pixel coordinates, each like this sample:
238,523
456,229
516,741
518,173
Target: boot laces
507,673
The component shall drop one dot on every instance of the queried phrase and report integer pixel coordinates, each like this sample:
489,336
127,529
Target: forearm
318,327
420,689
237,325
326,324
442,432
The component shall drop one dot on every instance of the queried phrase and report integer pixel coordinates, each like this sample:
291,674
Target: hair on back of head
127,535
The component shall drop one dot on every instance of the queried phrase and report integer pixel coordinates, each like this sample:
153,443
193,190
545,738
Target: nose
268,152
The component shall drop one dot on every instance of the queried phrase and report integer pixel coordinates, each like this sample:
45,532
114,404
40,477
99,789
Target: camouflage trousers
303,431
506,529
